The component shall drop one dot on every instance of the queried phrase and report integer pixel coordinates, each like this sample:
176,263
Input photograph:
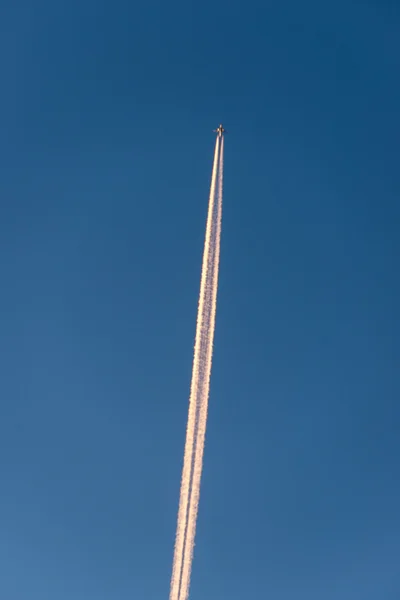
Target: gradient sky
106,149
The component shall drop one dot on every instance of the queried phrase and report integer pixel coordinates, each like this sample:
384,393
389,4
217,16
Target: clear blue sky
105,151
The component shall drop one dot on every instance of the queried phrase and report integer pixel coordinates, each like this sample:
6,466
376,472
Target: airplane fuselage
220,130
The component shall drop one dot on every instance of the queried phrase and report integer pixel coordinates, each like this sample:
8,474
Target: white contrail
204,384
195,392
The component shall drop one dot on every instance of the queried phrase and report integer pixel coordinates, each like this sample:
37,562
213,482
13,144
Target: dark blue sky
106,114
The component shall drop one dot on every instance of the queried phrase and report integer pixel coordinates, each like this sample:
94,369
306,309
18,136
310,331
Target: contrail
206,360
185,529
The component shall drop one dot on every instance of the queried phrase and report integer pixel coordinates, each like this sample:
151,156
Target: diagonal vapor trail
191,473
204,384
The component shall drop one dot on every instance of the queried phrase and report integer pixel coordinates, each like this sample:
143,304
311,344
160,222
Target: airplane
220,130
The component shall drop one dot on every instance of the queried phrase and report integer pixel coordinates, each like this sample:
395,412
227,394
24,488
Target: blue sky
106,115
